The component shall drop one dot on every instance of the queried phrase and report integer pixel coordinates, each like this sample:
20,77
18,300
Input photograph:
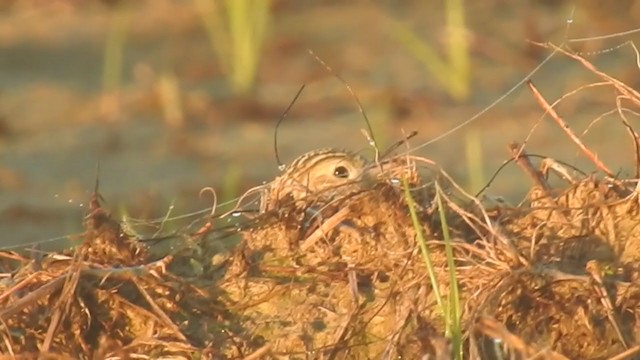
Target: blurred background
170,96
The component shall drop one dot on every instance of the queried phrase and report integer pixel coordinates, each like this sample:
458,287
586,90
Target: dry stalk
64,301
43,291
624,89
325,228
19,286
522,160
558,101
563,125
161,315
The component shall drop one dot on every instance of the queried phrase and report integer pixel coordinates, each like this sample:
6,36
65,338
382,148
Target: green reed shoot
454,315
450,307
236,30
452,71
422,242
114,48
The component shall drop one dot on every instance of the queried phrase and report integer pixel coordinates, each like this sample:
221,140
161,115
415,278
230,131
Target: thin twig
162,316
41,292
324,228
72,277
260,353
563,125
632,132
521,158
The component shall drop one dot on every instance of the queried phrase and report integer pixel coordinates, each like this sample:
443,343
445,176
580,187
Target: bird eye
341,172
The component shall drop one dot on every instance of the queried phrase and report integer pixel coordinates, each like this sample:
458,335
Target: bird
320,174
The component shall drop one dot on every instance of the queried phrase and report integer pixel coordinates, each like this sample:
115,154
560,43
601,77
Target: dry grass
555,277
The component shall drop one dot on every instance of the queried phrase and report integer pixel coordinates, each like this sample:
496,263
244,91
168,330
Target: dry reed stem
624,89
23,283
32,297
632,94
563,125
72,277
558,101
162,317
521,159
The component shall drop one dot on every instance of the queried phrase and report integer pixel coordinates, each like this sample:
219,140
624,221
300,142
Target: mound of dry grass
555,277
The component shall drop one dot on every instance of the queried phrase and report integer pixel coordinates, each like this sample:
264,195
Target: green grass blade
423,246
453,300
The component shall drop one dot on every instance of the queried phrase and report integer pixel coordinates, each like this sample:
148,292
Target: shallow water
55,130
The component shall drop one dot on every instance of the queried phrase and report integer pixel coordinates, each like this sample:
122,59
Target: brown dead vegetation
555,277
